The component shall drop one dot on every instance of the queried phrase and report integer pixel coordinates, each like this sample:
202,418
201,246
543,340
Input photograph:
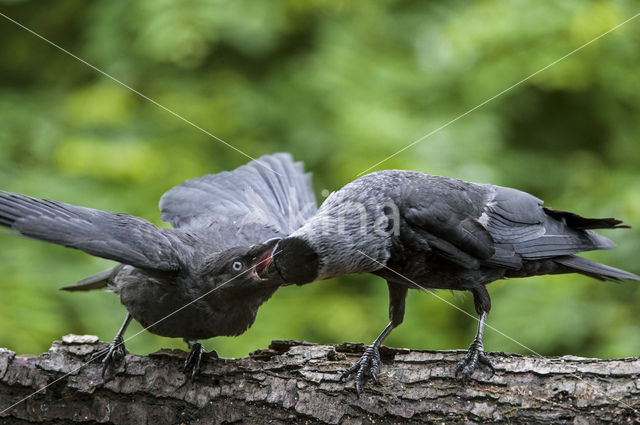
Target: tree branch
293,382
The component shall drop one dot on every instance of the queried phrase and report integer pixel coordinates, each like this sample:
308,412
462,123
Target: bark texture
297,382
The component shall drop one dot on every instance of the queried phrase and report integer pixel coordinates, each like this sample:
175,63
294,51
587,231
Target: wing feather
475,224
119,237
522,228
268,197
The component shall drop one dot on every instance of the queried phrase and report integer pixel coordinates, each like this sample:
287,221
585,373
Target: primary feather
273,193
118,237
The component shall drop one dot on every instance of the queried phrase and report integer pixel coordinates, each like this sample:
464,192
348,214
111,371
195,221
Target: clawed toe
367,366
113,354
467,365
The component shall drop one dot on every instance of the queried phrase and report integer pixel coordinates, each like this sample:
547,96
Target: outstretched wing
119,237
267,197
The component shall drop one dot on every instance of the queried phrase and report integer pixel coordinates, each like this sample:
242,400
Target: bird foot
368,365
475,355
113,354
192,363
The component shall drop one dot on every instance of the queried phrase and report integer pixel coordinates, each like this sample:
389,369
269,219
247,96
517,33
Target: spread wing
267,197
475,224
119,237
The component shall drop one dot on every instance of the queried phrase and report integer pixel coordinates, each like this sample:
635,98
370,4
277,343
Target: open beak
262,259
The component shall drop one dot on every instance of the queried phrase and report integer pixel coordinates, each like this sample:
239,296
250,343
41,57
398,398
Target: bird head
291,261
238,268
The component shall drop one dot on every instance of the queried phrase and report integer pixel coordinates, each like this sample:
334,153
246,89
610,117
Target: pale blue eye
236,266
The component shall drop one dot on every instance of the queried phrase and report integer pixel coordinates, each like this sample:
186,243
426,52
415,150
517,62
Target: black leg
369,363
192,363
476,355
116,350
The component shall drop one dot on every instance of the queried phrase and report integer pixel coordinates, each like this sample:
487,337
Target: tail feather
593,269
578,222
96,281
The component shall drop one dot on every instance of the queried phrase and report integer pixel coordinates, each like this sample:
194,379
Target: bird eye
236,266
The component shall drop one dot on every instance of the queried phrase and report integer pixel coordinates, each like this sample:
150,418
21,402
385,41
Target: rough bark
298,382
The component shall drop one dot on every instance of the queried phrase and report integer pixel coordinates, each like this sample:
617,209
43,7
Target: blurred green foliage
341,85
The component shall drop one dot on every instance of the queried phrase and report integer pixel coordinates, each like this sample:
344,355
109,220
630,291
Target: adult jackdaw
197,280
422,231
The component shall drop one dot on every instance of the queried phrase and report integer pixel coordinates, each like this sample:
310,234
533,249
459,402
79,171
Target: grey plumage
416,229
96,281
219,223
118,237
472,225
254,201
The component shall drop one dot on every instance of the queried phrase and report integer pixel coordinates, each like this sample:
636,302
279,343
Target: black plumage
196,280
420,230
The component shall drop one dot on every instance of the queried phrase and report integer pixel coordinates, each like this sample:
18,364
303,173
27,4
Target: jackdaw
422,231
197,280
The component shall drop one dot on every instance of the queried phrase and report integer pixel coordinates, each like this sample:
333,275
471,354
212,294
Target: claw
368,365
193,360
475,355
113,354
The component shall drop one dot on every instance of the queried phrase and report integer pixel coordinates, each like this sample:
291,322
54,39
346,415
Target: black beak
262,259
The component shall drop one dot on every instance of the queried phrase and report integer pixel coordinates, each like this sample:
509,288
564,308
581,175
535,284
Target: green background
341,85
